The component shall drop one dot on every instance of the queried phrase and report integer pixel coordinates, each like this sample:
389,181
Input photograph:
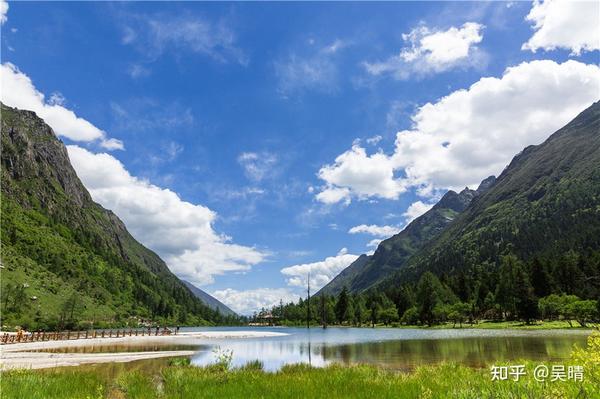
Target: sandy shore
19,355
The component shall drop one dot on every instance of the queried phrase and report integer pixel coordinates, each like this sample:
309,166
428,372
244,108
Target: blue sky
232,117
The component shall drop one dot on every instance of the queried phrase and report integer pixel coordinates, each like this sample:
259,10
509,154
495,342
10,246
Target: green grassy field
300,381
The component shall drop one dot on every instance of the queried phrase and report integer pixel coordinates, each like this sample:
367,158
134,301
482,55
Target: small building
266,318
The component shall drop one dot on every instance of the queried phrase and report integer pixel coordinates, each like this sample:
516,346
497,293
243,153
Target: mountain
209,300
391,254
544,207
65,259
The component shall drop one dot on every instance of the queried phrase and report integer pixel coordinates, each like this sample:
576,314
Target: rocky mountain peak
486,184
456,201
32,149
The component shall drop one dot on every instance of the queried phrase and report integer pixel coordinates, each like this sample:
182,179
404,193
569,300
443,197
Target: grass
484,324
355,382
61,383
302,381
443,381
538,325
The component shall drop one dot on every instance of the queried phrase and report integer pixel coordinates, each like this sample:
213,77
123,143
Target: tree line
559,289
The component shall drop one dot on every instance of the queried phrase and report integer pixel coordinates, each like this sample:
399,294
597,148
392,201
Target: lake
392,348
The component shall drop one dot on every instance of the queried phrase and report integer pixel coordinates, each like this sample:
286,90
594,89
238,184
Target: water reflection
474,352
274,354
111,371
400,349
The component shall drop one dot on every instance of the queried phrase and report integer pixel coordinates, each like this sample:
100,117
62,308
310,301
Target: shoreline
26,355
485,325
20,355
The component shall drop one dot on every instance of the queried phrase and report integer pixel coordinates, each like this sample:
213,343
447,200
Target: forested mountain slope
544,209
210,300
65,259
391,254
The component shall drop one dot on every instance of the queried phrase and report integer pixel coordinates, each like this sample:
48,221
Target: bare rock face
31,150
486,184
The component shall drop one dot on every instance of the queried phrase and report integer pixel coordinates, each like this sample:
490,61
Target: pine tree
428,296
526,303
360,311
323,310
405,299
341,307
505,290
540,278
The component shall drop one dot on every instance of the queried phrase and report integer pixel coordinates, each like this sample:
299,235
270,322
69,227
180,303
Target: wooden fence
68,335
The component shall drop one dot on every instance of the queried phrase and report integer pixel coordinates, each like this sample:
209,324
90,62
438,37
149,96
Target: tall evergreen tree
360,311
323,310
404,299
428,296
341,307
505,290
525,300
540,278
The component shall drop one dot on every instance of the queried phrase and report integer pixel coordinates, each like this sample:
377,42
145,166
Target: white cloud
317,71
374,140
320,272
375,230
3,11
333,195
179,231
247,302
415,210
57,98
381,232
573,25
354,173
472,133
154,35
111,144
18,91
258,166
433,51
374,243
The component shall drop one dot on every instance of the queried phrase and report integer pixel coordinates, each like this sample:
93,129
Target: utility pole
308,302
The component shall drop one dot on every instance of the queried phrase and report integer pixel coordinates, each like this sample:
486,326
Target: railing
38,336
